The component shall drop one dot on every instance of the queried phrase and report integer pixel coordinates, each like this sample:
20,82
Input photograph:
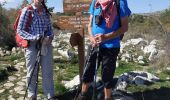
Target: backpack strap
94,5
119,17
28,23
118,11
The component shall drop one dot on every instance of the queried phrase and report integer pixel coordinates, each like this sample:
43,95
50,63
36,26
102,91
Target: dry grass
149,28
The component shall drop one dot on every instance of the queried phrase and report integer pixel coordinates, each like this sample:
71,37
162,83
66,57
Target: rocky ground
14,88
136,50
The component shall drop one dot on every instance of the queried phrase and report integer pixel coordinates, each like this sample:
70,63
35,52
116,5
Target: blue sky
136,6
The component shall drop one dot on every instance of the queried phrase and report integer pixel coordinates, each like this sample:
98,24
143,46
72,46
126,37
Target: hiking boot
81,97
53,98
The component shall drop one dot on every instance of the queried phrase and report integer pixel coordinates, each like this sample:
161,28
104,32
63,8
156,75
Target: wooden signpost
77,22
72,22
73,6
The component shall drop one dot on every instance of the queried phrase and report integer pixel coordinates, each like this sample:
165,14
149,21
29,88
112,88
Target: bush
6,32
60,88
165,16
137,19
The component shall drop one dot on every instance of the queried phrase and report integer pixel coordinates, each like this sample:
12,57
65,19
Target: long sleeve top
39,24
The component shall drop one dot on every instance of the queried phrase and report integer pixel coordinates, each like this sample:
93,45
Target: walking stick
37,63
95,75
88,58
90,50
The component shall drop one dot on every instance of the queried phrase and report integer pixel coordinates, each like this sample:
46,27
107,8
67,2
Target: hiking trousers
107,57
46,63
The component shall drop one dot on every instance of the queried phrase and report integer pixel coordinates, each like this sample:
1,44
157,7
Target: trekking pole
95,75
37,63
38,68
38,46
89,52
88,58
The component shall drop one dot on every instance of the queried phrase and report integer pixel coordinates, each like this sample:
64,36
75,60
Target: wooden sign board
73,6
72,22
76,1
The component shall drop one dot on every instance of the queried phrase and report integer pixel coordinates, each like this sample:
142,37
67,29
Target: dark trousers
107,59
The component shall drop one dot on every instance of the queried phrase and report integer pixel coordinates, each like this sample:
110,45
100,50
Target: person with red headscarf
108,21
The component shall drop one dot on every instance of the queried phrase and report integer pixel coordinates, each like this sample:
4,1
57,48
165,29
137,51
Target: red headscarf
109,11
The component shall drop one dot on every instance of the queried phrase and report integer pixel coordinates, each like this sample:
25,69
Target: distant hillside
149,25
152,26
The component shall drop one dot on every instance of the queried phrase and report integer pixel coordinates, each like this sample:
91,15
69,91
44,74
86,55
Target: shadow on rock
156,94
11,69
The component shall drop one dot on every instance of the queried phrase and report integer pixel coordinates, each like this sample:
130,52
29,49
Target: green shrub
60,88
10,58
6,32
137,19
165,16
126,67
